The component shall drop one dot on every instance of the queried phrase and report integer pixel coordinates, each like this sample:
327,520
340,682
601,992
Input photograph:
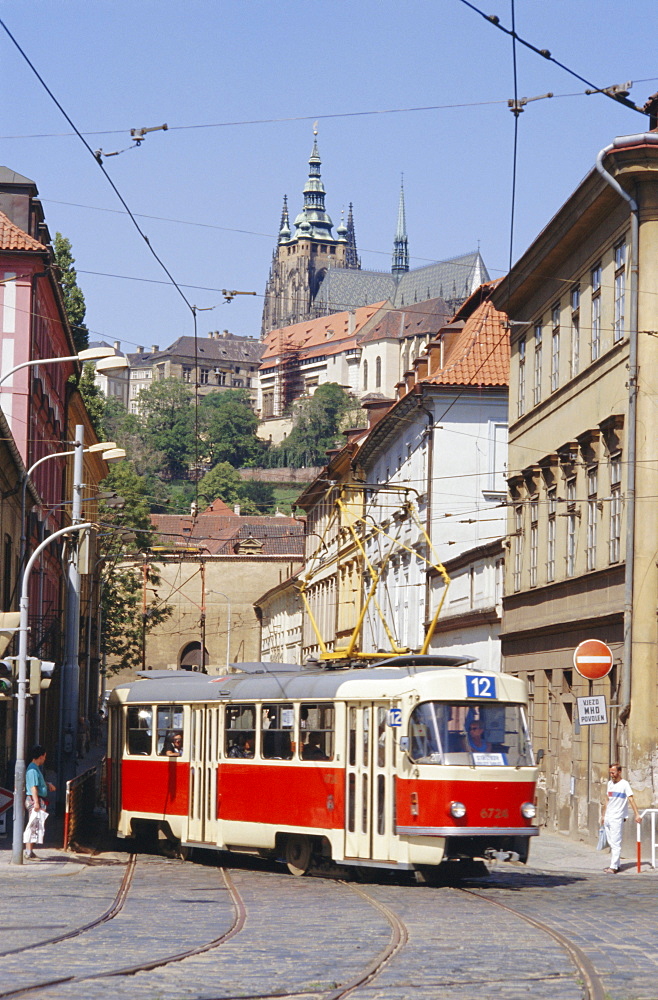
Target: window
572,515
592,516
521,399
555,348
169,730
140,730
536,392
316,732
614,542
596,312
620,288
278,723
204,375
552,526
534,540
442,733
575,330
518,546
365,374
187,373
378,372
239,731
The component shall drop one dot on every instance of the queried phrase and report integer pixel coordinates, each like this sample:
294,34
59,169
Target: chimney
211,336
351,322
376,408
421,365
140,350
236,509
154,348
225,334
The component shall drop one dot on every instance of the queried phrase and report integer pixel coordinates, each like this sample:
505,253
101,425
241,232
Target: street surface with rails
157,928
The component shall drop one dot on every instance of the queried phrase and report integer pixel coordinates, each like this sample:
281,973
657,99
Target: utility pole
71,667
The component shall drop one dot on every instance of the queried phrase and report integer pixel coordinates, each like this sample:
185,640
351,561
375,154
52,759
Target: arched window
378,373
190,657
365,374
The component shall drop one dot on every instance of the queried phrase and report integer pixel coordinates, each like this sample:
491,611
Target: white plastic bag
603,840
36,826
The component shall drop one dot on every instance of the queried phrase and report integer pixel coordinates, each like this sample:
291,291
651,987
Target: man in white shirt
619,797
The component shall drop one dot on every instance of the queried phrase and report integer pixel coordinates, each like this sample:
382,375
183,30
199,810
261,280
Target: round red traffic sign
593,659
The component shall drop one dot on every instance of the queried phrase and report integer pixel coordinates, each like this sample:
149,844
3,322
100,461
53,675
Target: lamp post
21,709
228,624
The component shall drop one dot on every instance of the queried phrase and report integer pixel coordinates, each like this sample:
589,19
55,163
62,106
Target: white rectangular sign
592,710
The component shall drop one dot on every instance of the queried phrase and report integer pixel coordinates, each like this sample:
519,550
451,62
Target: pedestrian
619,797
36,789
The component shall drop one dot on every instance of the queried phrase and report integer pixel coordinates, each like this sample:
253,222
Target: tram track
116,907
590,983
235,928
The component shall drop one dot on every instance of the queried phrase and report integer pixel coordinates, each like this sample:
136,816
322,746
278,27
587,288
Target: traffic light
9,622
40,673
6,680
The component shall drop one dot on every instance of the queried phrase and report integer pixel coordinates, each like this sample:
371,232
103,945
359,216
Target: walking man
619,796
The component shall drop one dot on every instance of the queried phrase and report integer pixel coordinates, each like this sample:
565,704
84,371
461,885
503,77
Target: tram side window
240,731
278,723
139,730
170,730
316,732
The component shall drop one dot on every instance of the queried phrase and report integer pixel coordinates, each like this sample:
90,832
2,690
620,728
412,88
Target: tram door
370,778
203,775
116,754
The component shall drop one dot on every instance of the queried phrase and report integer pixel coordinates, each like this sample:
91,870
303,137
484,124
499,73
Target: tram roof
274,684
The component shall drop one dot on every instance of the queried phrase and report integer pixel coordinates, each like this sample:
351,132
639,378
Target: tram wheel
299,853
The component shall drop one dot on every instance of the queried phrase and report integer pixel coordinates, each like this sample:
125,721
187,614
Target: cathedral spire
313,220
284,227
351,256
400,245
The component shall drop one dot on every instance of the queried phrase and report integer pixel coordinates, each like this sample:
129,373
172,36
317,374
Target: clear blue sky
214,193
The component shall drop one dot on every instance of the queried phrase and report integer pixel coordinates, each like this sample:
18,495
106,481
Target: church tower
304,254
400,244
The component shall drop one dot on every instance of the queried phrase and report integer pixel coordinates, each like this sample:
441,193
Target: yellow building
583,480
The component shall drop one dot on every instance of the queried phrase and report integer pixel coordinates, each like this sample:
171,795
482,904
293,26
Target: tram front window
470,733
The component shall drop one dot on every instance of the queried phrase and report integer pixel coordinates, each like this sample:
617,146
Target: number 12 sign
480,687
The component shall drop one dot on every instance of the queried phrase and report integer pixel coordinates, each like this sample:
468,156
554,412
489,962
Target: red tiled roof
219,533
327,331
480,353
13,238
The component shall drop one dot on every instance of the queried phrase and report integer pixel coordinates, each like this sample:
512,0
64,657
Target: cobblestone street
313,937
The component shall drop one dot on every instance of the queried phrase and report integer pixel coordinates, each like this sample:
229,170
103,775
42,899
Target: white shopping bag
36,827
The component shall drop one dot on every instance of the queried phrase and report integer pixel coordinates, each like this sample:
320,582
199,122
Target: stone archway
190,657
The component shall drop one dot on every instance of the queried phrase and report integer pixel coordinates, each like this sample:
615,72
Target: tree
228,428
124,622
316,428
74,300
94,399
168,421
261,495
224,482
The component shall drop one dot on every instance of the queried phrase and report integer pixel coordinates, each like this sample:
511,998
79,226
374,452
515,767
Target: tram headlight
528,810
457,810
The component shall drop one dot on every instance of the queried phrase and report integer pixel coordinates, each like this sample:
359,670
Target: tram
409,764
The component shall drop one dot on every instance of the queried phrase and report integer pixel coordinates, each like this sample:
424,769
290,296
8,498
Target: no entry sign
593,659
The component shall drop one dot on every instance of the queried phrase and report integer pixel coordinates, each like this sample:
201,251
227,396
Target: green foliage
124,623
224,482
228,426
261,495
167,419
74,300
316,428
94,400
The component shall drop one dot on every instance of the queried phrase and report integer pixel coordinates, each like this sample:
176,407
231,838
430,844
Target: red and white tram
416,761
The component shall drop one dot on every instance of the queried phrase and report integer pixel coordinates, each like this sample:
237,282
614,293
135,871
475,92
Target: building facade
583,524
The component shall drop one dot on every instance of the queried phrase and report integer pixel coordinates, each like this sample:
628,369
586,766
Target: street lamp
228,624
21,708
106,357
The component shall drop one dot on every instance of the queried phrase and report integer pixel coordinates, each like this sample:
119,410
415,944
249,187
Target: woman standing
36,788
